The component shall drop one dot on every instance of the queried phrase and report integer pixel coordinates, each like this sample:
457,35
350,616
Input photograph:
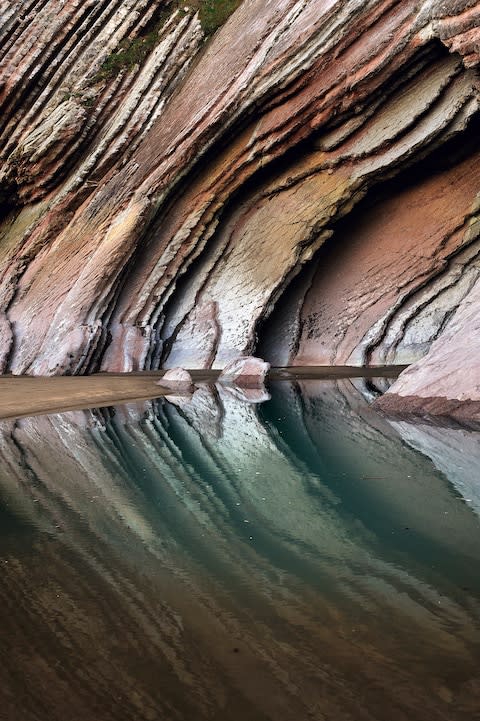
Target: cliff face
304,186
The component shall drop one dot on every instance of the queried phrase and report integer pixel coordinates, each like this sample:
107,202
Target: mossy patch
213,13
129,53
133,51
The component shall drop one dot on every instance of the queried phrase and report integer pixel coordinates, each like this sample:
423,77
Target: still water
293,558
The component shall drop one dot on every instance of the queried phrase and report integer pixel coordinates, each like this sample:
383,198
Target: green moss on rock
133,51
213,13
128,54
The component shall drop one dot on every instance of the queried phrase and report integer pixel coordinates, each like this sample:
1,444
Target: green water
297,558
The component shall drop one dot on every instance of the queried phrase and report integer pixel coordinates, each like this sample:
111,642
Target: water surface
296,558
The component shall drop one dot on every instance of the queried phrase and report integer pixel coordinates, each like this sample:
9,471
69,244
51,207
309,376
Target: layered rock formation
303,186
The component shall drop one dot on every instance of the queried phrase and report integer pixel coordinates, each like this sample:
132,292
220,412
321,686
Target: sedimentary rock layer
306,189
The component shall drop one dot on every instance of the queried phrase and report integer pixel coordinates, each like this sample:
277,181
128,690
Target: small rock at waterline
176,379
247,372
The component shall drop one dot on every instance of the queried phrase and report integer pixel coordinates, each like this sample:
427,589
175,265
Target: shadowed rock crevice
319,306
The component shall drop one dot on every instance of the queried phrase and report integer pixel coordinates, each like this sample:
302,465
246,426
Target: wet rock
177,379
246,372
447,380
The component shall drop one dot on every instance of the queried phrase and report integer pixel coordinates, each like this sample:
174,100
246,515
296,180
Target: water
297,558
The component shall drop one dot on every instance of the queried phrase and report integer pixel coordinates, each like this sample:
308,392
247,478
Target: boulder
177,379
246,372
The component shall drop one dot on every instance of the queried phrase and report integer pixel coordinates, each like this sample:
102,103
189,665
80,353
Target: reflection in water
300,558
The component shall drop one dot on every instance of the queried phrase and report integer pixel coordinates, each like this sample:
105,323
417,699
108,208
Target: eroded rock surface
245,372
303,186
176,378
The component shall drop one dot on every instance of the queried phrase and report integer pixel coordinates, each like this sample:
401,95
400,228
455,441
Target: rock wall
301,185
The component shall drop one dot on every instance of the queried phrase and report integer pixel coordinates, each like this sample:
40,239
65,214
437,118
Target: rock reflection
223,558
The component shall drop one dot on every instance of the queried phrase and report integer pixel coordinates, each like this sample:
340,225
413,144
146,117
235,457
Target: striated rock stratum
301,185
